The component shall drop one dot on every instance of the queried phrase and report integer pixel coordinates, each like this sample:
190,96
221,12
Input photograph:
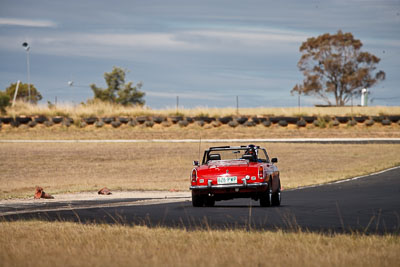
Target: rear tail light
194,175
261,172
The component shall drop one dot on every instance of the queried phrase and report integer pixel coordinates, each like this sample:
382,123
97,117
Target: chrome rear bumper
227,186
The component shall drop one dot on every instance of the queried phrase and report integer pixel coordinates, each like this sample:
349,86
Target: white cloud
250,37
27,23
145,40
122,44
188,40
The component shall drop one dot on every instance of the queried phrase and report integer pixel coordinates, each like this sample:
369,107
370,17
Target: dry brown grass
97,109
38,243
295,111
100,109
194,131
72,167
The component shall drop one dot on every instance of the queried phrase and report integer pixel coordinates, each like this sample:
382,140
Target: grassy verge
195,132
64,167
100,109
38,243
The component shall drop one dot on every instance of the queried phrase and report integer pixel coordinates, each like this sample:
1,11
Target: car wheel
266,198
209,202
276,197
197,200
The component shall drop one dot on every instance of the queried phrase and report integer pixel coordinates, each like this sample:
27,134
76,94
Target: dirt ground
87,167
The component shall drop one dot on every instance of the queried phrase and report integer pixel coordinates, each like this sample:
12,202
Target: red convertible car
229,172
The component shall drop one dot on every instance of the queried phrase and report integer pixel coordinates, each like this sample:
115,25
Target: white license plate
227,180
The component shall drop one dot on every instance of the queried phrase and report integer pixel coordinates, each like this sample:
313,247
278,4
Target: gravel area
89,196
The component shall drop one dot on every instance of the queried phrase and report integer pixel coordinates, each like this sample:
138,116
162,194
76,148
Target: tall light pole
27,47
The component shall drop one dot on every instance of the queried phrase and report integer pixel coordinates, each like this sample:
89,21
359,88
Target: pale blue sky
207,52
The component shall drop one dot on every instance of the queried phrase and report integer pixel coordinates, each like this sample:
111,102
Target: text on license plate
227,180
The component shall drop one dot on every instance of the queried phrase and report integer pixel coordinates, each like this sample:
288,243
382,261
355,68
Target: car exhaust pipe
244,182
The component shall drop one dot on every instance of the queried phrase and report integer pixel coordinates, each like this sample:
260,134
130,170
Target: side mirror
274,160
195,163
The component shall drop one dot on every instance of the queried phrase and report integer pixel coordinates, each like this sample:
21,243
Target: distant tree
334,64
118,91
23,92
4,101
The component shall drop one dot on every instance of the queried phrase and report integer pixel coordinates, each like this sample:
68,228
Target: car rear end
223,180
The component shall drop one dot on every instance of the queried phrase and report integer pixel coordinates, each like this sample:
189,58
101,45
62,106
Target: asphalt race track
370,204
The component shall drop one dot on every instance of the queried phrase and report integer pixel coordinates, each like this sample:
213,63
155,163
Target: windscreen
226,154
253,155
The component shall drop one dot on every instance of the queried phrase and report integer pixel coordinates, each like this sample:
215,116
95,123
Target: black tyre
89,121
386,122
158,119
275,119
57,119
378,118
292,120
209,202
369,122
6,120
309,119
99,124
301,123
276,197
200,123
352,123
283,123
132,123
183,123
360,119
107,120
23,119
149,124
123,120
41,119
266,198
207,119
256,120
343,119
116,124
32,124
197,200
225,120
176,119
249,124
141,119
66,123
267,123
233,123
242,120
394,118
